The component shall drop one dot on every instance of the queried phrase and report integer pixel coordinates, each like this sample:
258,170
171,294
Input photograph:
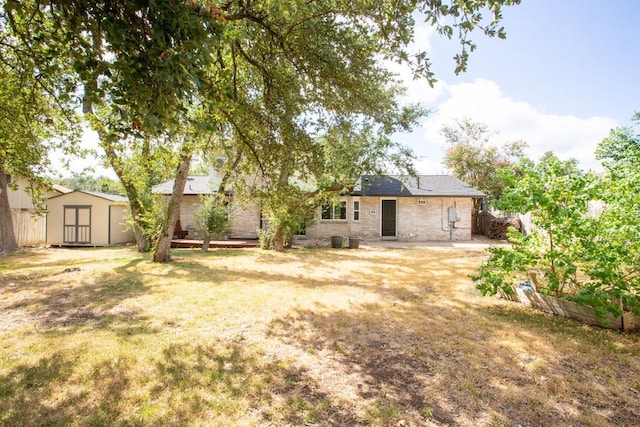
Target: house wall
415,221
187,207
430,221
19,199
100,225
29,230
244,218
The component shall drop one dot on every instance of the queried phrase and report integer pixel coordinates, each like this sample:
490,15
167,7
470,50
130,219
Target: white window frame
356,210
335,206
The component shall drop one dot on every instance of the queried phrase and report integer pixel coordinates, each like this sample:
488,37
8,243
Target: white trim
333,205
355,200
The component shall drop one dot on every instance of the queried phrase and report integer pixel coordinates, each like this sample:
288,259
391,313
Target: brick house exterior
244,217
420,208
401,208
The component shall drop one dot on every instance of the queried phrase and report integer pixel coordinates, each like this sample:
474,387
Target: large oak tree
36,117
266,77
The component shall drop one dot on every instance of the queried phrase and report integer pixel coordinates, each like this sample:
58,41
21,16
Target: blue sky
567,73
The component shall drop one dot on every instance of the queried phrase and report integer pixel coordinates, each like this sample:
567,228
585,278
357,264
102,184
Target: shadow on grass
70,300
427,366
217,386
212,252
237,384
50,392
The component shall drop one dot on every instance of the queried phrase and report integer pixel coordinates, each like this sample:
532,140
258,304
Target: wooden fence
29,231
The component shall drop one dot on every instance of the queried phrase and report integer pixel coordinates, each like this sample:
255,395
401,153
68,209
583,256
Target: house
420,208
87,218
244,217
29,228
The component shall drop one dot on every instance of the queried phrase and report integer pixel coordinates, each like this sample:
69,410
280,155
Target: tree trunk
278,239
288,241
163,246
7,234
141,240
205,242
132,193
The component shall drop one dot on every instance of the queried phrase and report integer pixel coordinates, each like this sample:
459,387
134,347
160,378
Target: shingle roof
369,185
112,197
421,185
195,185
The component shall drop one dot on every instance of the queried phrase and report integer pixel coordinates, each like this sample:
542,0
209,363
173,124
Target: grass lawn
374,336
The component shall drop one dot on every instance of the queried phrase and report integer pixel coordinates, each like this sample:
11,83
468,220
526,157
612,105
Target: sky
568,72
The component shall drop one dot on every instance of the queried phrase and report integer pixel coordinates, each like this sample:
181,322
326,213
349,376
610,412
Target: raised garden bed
572,310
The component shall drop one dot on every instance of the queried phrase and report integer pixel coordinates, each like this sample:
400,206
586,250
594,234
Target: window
356,210
220,161
301,231
335,211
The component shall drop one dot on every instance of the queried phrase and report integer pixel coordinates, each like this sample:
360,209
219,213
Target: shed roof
61,189
420,185
111,197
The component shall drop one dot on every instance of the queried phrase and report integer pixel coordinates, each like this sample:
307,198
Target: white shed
87,218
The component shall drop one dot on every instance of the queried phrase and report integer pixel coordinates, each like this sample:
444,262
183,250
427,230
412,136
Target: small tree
612,253
556,193
472,156
288,210
577,255
211,217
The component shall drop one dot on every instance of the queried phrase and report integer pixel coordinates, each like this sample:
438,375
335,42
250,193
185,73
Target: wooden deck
233,243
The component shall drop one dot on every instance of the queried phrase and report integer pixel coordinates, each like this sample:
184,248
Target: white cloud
483,101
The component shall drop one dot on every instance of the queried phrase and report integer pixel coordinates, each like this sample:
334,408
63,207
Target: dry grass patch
308,337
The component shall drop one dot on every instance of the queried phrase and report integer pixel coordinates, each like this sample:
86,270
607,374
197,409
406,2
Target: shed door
388,218
77,224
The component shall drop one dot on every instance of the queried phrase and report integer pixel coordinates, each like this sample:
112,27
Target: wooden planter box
572,310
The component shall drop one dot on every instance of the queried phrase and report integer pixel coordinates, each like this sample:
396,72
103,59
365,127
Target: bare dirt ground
392,336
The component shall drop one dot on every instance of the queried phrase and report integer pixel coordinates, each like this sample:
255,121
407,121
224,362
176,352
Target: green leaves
38,114
462,18
473,158
585,254
211,217
259,81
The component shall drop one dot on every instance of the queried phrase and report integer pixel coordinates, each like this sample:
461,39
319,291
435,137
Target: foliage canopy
256,80
574,251
474,158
